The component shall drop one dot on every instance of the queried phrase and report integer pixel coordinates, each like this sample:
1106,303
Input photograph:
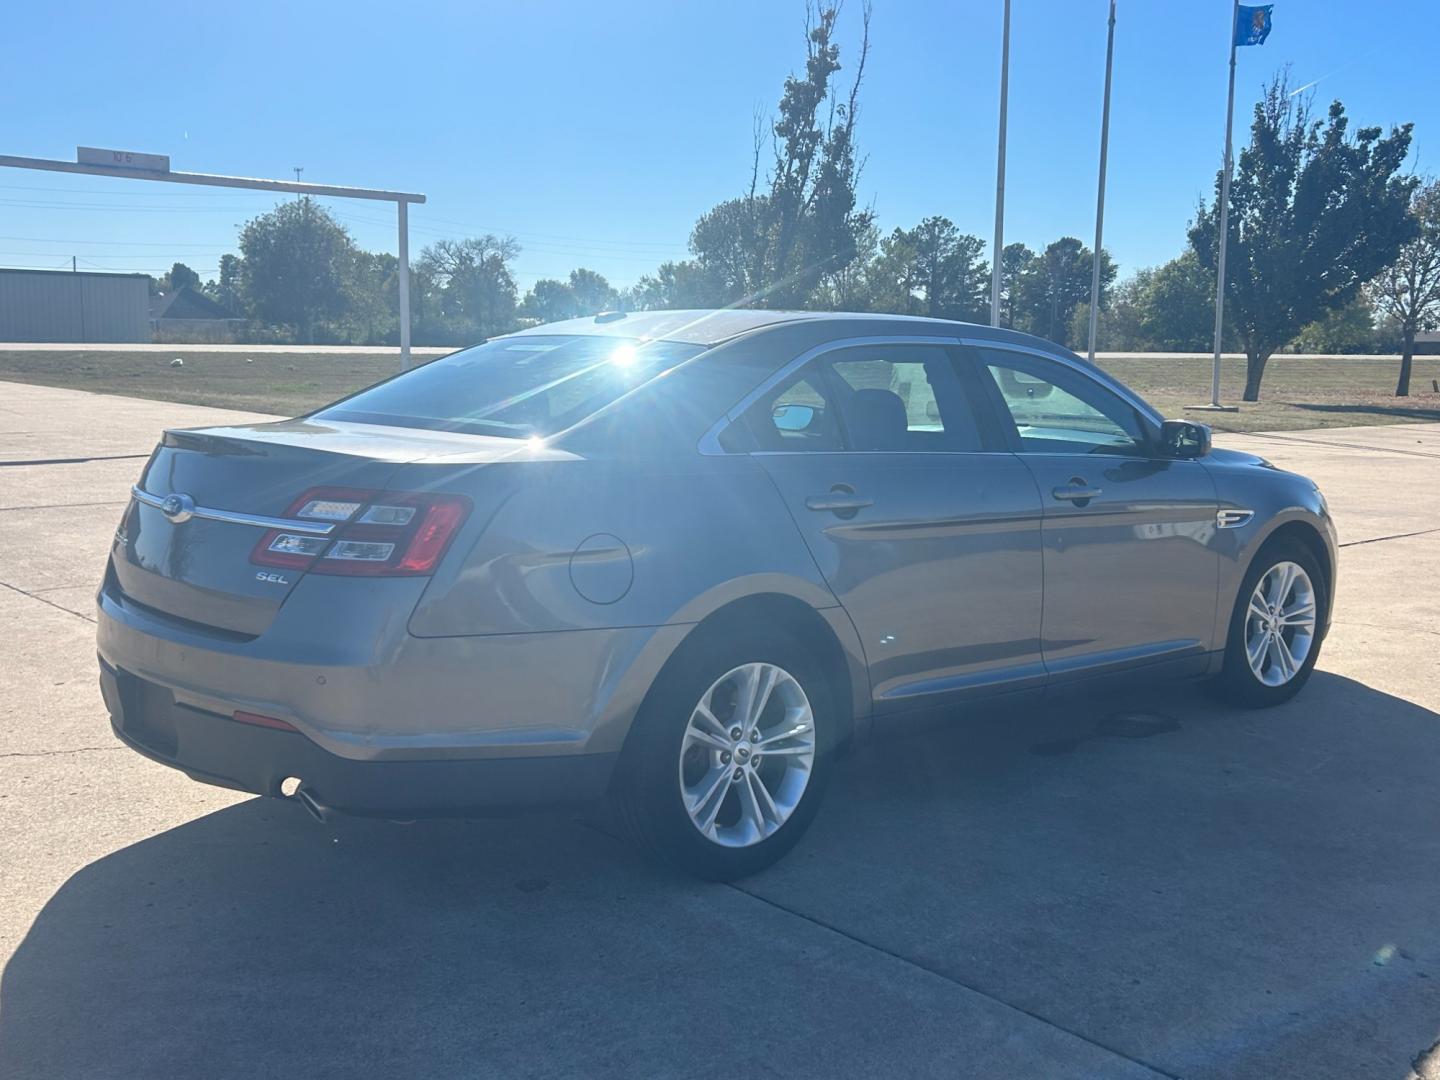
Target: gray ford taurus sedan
683,559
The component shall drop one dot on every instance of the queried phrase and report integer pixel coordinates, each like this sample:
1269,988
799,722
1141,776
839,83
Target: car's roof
699,327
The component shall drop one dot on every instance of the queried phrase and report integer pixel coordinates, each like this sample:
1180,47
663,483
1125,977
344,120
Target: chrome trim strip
233,517
710,441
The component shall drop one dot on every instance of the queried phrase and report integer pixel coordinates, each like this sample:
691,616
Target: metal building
57,305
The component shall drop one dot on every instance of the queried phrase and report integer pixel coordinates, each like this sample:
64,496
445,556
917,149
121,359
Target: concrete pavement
1200,892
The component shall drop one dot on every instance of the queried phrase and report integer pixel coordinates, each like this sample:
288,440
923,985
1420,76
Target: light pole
1100,196
999,248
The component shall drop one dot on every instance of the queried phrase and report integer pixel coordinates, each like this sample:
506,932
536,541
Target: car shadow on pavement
1214,892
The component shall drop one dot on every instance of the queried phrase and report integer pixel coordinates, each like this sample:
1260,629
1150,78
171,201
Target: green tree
1407,292
776,247
893,275
1314,213
674,285
1054,284
227,290
296,266
179,277
932,269
950,270
1177,309
548,300
1120,325
471,286
374,310
853,286
592,293
1342,330
1015,263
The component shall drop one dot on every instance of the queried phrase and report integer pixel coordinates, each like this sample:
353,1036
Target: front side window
1054,410
514,386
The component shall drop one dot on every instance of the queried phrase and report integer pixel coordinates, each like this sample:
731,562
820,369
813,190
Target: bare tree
1408,290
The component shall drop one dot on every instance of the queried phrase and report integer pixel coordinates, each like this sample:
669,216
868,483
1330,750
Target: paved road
1239,894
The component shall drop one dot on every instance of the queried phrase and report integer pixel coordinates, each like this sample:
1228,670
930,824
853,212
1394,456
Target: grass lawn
270,382
1298,392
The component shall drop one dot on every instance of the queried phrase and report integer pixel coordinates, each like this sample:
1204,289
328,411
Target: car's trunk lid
194,563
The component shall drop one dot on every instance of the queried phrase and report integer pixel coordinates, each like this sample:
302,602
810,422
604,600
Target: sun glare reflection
623,356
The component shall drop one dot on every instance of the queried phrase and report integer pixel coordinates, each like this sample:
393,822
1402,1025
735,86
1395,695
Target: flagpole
1100,197
1224,218
999,247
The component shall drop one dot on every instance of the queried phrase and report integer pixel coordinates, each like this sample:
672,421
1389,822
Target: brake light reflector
381,534
257,720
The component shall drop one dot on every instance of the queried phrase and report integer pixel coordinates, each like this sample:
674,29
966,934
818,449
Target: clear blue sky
596,133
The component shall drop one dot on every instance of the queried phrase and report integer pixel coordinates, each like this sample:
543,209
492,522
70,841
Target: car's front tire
729,757
1275,628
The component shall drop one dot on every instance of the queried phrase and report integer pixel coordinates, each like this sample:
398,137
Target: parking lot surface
1182,890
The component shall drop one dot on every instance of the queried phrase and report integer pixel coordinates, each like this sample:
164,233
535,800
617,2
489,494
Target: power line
107,243
127,255
537,240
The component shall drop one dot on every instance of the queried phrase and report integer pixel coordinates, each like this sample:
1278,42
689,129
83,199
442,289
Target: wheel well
1304,533
790,615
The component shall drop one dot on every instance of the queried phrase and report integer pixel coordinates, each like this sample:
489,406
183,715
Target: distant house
1427,341
189,316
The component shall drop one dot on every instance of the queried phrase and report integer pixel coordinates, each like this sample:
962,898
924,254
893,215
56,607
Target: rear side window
899,399
797,416
515,386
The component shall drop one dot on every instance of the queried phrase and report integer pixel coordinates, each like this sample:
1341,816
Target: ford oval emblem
178,507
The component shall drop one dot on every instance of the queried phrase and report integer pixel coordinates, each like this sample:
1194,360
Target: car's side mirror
793,417
1185,438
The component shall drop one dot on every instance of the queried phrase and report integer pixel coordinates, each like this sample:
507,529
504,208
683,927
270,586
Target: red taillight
377,533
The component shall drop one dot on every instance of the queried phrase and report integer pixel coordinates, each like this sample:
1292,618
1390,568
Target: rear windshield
516,386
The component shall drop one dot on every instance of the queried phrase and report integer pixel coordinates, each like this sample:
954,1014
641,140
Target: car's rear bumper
217,749
343,670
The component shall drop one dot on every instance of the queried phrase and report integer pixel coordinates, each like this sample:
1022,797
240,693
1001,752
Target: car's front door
1131,569
931,544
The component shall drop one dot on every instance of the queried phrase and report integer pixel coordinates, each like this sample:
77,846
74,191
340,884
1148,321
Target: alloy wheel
1280,624
747,755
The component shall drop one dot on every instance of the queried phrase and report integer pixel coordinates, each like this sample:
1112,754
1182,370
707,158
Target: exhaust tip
313,806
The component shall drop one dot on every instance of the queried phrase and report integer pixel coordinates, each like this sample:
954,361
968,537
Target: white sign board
123,159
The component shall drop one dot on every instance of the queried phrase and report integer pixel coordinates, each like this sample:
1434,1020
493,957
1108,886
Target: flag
1252,24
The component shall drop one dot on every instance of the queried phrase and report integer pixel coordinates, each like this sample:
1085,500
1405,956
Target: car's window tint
901,398
1055,410
796,416
514,386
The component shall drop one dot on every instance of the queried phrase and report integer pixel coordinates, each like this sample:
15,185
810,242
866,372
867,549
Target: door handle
840,503
1079,493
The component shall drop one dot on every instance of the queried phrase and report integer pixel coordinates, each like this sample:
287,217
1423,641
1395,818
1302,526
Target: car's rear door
930,541
1131,569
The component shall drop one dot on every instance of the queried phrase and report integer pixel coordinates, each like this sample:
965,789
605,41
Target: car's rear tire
697,788
1275,627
